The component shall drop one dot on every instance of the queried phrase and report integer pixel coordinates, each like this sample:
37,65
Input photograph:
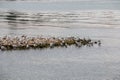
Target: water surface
96,19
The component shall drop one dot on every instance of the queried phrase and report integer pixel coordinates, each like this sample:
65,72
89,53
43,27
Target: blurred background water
57,17
95,19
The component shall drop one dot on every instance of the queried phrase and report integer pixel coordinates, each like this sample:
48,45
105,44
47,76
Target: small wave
62,19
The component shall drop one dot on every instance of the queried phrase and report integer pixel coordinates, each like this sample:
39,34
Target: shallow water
91,19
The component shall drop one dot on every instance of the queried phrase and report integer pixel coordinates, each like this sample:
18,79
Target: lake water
95,19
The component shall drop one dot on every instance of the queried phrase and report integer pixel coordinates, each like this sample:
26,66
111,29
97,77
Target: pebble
24,42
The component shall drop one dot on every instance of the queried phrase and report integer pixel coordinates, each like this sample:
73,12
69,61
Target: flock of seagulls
24,42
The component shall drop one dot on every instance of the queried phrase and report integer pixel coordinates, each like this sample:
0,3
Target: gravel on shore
24,42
